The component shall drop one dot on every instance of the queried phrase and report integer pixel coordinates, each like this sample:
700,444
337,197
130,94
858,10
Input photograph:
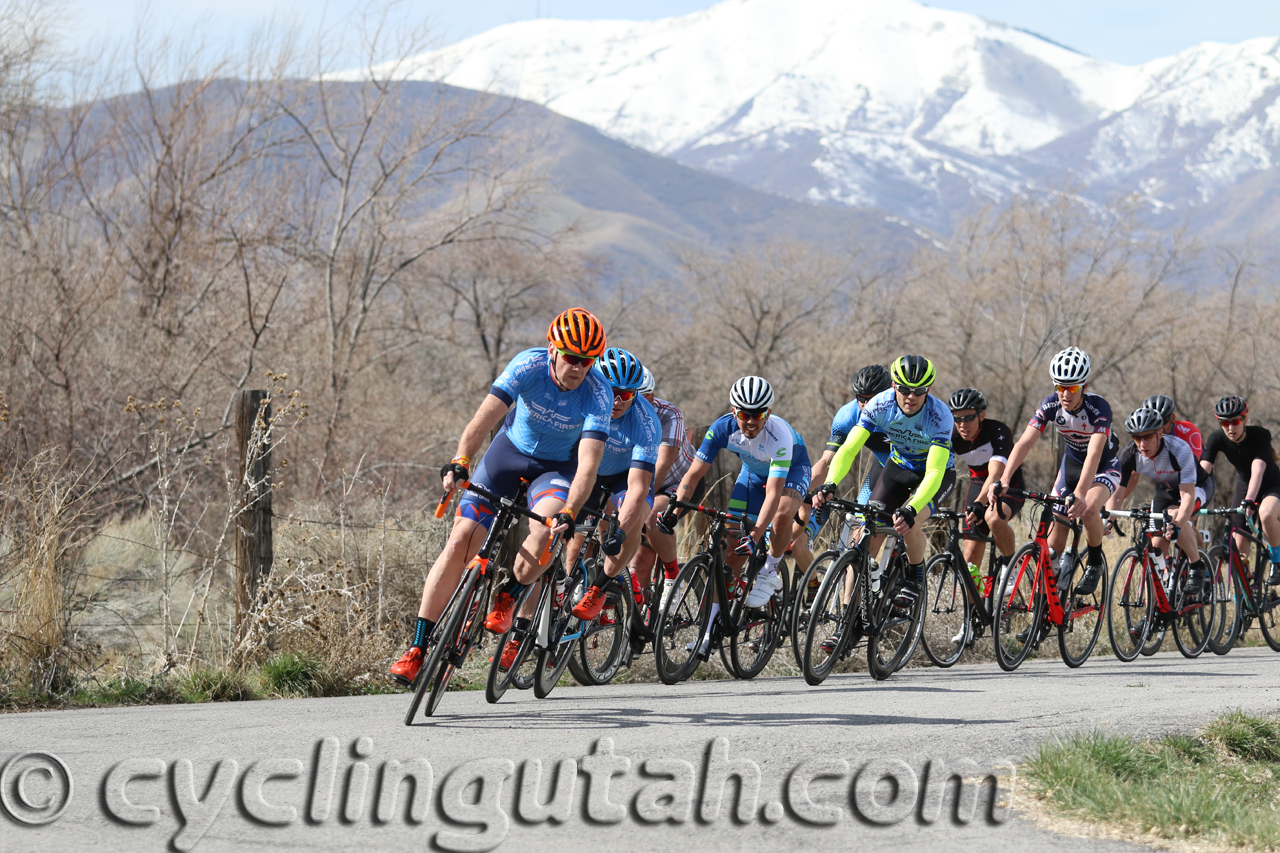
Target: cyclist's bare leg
642,563
1269,513
465,540
916,541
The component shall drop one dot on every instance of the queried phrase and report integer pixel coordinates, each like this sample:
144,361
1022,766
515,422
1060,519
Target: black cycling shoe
905,601
1273,579
1089,581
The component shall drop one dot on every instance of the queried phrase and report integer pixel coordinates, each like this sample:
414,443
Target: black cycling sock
423,630
919,567
1095,555
514,588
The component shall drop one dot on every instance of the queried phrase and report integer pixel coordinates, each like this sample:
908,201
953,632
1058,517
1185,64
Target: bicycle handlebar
876,510
508,503
728,515
1139,514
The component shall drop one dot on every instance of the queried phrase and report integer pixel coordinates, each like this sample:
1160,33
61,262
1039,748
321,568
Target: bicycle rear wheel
803,594
1020,608
1130,606
893,633
1082,618
946,611
759,631
832,617
1227,597
603,644
564,630
683,621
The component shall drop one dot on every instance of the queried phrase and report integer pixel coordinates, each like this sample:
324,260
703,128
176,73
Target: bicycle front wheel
1019,609
604,640
563,631
521,633
450,633
832,617
803,595
1194,625
946,611
894,631
1268,599
683,622
759,631
1227,596
1130,606
1082,618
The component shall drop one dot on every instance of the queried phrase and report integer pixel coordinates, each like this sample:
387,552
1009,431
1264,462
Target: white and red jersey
674,435
1190,433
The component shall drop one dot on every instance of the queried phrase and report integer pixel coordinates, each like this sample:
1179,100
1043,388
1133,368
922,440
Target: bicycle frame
1236,561
984,598
1046,578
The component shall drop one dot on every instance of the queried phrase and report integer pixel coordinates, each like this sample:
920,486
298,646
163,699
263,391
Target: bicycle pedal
457,658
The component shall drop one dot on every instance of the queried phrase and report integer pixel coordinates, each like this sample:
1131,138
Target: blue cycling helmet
621,369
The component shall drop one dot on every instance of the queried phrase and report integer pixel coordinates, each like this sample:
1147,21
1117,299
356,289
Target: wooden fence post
254,553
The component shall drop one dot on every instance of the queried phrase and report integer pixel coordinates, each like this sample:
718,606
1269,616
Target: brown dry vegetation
372,254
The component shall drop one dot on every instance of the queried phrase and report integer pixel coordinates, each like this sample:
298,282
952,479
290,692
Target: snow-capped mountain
888,102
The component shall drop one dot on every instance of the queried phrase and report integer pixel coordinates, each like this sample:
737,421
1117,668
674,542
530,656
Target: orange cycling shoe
499,619
509,652
405,670
589,607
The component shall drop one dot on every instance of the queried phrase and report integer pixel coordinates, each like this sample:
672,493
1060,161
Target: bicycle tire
1194,625
1227,597
1082,617
757,637
603,644
1020,608
1267,598
499,679
447,633
947,611
802,597
893,635
683,621
832,617
1130,606
554,659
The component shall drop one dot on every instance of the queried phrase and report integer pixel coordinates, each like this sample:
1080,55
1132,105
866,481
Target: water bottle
975,572
876,572
562,582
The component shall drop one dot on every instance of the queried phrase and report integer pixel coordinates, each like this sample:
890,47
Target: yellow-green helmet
912,371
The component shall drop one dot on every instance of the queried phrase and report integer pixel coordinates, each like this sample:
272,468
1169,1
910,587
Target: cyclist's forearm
1018,455
820,468
666,458
483,422
590,452
697,470
635,509
994,470
848,452
1257,470
1188,503
1089,468
772,497
935,468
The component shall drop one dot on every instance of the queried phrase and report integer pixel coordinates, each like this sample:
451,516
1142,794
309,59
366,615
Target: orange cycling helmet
577,331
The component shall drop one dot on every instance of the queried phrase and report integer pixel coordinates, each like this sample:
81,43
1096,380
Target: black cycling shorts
896,484
1009,507
1242,489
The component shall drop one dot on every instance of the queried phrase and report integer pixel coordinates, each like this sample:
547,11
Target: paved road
662,744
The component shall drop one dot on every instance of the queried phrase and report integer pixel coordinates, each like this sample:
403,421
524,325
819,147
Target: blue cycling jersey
549,421
769,454
910,437
844,422
633,440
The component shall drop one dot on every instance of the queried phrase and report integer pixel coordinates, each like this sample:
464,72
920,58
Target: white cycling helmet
751,392
647,383
1070,367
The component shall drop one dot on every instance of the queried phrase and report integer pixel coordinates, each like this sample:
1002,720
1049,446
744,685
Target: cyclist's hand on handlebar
823,492
748,546
1171,532
1249,508
564,525
666,523
455,470
904,518
613,544
997,489
976,510
1075,506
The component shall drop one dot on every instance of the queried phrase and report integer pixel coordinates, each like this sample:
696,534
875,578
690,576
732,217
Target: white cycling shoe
765,587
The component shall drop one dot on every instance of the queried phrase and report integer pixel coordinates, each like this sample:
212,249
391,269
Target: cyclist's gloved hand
907,514
1171,531
1249,508
977,510
613,544
666,523
747,547
458,470
563,519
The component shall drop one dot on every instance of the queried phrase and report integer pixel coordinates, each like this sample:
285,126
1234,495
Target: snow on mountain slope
887,102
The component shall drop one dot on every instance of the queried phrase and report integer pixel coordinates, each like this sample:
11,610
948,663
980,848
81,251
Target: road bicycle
1145,601
1241,596
856,601
957,611
746,637
603,645
461,625
1030,603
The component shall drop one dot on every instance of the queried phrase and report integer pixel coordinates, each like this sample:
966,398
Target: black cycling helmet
871,380
912,371
1230,407
967,398
1143,420
1162,404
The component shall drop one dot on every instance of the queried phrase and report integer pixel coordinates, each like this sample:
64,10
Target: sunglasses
1231,422
1147,436
576,360
862,401
1070,389
964,419
619,394
751,414
913,392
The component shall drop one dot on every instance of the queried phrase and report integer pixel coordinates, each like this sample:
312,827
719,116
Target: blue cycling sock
514,588
423,631
919,573
1275,553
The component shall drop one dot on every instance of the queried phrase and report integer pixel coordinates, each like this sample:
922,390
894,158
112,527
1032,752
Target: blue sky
1128,31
